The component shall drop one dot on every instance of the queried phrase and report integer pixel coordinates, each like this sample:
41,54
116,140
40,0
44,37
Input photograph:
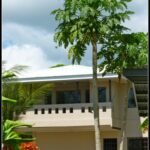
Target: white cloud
139,20
25,55
136,24
19,35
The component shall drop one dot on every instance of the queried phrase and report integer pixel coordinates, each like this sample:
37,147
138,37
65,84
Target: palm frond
8,100
18,68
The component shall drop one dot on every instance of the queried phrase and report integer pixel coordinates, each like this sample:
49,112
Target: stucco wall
65,141
71,140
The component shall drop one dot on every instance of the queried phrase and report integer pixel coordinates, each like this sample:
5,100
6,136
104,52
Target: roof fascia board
61,78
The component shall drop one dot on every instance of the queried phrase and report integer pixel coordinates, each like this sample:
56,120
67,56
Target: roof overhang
64,78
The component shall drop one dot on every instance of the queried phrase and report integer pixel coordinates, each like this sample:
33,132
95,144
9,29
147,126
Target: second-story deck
67,115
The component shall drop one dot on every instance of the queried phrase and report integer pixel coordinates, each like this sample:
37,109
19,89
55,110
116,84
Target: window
67,97
131,99
102,94
87,96
137,143
110,144
48,98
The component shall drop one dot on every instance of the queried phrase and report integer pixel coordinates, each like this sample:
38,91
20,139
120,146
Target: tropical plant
6,76
25,94
123,51
13,139
144,125
29,146
8,100
11,72
58,65
89,22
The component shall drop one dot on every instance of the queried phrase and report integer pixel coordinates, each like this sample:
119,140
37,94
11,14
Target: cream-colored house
63,120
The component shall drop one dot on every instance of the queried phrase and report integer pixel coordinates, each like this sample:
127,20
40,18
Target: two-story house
63,120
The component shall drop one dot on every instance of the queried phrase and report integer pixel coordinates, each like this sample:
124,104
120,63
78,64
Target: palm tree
26,95
11,138
6,76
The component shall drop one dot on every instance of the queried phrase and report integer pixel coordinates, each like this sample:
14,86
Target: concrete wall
71,140
65,141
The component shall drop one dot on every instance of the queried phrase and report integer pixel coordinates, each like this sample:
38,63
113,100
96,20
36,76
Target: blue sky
28,29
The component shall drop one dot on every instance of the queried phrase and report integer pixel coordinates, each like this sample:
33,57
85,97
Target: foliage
11,72
124,51
144,125
29,146
11,138
8,100
26,96
58,65
83,22
7,75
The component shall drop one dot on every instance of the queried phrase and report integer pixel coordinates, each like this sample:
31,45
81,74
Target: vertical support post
110,91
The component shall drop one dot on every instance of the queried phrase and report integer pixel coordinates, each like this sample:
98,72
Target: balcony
67,115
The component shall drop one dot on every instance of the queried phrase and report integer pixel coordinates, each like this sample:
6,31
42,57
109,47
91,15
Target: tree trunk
95,95
124,120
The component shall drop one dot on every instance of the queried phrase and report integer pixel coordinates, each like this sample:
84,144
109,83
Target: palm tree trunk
95,95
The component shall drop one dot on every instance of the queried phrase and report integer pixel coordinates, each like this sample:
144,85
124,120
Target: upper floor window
68,97
102,94
131,99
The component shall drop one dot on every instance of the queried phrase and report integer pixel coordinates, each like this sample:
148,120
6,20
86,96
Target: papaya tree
89,22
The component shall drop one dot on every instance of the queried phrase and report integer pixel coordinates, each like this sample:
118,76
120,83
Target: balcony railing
62,115
67,108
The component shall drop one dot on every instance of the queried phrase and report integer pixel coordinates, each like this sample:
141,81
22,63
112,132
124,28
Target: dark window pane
131,99
67,97
102,94
48,98
110,144
137,144
87,96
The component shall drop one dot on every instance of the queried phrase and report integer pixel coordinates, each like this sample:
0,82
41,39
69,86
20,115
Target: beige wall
71,140
65,140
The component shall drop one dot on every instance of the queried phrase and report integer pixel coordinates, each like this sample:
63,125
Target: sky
28,30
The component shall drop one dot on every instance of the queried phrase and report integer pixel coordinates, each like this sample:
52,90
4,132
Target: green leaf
144,124
5,99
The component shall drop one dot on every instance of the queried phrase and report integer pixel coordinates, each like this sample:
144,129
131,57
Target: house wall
112,116
65,140
71,140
